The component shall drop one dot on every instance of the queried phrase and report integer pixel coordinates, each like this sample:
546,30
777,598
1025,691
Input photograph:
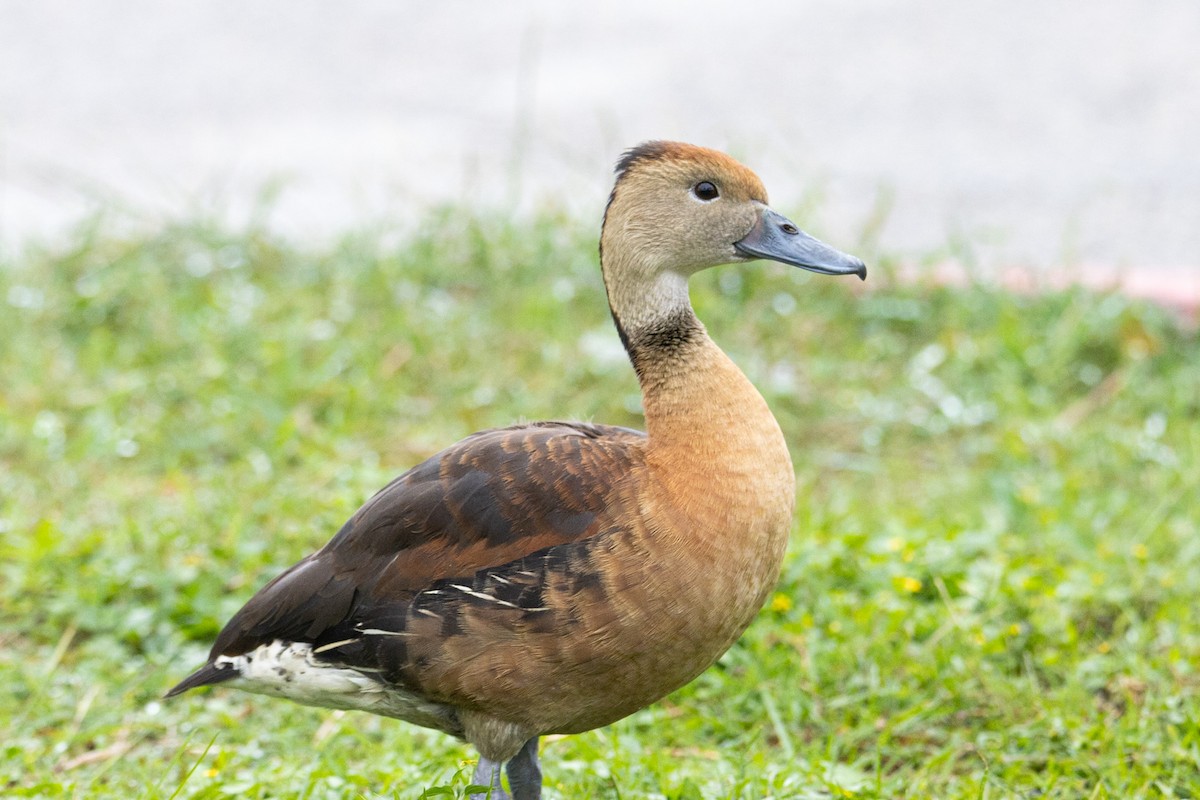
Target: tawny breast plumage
556,577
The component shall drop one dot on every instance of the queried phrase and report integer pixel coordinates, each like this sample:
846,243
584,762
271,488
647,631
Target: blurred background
1027,133
257,258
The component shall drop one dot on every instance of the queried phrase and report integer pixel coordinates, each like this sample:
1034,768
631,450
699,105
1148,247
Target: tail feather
205,676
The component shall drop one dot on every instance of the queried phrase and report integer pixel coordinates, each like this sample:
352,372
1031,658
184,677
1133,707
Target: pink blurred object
1176,287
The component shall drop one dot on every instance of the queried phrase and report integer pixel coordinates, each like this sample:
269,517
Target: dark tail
205,676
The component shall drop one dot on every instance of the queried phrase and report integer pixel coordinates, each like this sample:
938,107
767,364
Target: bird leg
524,774
487,773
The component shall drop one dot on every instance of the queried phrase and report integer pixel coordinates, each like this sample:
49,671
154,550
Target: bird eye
705,191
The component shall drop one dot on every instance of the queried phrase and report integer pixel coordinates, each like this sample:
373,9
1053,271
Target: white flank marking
381,632
333,645
483,596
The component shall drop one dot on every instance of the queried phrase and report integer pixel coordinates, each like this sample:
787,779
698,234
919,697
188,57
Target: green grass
991,592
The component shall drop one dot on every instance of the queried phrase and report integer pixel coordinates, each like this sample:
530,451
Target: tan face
683,208
678,209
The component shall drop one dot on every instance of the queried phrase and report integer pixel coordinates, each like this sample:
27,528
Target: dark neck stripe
660,342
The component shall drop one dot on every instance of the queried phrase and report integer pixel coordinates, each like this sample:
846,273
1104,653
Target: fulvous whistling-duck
555,577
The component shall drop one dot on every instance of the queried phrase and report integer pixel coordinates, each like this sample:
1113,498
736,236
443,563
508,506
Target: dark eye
705,191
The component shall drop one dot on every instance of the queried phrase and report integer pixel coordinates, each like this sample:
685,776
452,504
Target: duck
555,577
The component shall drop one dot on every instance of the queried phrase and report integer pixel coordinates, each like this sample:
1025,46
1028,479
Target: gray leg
524,774
487,773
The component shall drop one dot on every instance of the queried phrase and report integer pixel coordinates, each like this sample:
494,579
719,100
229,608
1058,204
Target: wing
495,498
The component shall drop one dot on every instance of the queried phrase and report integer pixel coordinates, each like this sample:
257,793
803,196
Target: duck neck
696,401
717,464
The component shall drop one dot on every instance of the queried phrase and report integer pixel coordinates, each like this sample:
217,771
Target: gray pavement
1060,135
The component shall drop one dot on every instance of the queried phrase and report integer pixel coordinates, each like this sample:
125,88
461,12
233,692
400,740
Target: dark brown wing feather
496,498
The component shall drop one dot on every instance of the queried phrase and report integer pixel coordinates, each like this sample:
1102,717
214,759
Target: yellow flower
908,584
1140,552
781,602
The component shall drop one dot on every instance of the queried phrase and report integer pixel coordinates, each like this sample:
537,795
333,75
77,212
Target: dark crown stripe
646,151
